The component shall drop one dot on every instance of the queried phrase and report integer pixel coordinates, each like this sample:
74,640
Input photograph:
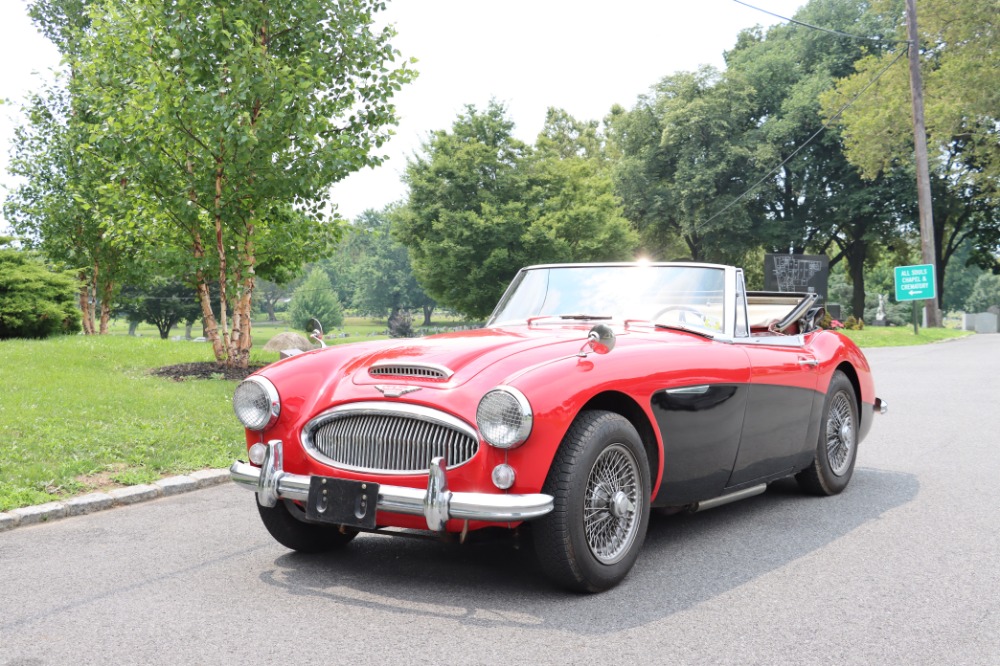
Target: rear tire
837,448
286,523
600,482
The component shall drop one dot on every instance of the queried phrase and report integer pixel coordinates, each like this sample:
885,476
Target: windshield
681,296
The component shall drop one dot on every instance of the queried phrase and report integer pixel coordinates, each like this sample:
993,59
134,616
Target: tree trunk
88,323
428,310
107,290
856,268
132,325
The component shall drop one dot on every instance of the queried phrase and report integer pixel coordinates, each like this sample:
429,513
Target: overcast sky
579,55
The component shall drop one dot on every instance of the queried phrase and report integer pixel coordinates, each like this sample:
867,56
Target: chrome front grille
389,438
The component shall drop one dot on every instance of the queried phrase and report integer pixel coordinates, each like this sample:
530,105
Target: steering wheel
682,309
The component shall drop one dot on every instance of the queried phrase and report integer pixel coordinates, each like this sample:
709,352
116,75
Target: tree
960,63
683,161
985,294
268,294
35,302
231,120
482,204
315,298
58,207
164,303
384,283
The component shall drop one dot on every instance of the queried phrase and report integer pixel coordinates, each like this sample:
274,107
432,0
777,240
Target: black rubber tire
560,540
821,477
293,532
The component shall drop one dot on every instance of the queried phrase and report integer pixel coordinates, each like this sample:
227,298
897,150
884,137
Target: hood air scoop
404,369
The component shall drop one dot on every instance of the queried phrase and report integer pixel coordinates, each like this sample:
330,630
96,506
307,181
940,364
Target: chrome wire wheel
840,434
612,505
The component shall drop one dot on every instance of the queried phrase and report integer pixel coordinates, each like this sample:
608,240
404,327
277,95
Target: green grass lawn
83,413
901,336
79,412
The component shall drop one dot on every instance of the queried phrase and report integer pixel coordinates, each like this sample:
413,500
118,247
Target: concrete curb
84,504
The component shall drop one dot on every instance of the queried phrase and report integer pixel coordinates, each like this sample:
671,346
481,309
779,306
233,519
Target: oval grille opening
394,443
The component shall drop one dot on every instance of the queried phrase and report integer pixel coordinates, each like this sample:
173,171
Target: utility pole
927,251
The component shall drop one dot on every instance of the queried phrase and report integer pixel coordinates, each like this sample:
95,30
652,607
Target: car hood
455,358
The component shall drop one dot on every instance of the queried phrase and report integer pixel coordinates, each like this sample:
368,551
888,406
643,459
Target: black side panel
701,437
775,432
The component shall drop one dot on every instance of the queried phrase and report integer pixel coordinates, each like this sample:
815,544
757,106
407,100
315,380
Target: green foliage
483,204
960,66
985,294
229,121
35,302
315,298
381,274
164,303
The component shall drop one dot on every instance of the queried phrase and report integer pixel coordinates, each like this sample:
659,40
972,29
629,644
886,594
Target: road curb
84,504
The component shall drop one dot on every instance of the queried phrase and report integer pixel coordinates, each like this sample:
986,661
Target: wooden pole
927,250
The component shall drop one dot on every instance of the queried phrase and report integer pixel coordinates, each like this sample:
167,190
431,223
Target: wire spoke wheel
840,434
612,506
599,482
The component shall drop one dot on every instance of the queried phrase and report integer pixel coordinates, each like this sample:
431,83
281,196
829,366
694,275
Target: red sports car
595,393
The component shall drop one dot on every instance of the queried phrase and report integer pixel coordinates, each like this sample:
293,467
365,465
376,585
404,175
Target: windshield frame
729,296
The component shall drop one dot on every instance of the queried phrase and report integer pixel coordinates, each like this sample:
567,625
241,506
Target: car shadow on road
686,560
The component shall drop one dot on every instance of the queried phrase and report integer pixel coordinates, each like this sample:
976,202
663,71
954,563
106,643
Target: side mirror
600,340
317,331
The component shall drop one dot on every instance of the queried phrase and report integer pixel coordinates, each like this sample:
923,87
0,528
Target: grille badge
393,391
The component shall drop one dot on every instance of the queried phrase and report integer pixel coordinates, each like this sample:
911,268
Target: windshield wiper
697,331
584,317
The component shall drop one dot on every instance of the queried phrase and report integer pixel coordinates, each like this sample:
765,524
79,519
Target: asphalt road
901,568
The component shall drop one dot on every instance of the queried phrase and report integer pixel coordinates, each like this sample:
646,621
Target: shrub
35,302
315,298
985,294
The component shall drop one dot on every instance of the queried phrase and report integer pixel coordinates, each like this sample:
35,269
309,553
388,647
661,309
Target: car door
699,412
781,401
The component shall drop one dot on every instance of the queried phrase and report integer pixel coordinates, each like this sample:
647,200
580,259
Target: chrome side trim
701,389
731,497
436,503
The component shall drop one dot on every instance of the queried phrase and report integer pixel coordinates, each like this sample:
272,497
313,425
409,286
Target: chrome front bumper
436,503
880,406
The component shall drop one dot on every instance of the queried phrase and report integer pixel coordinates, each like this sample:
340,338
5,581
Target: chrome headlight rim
273,400
523,407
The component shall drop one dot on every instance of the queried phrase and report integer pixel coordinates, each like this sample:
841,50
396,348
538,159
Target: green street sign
915,283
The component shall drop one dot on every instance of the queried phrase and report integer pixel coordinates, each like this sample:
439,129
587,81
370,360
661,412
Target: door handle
810,362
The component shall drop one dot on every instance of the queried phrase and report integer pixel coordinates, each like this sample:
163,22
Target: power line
822,29
825,126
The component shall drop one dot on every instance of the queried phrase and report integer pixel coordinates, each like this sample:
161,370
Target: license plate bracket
342,502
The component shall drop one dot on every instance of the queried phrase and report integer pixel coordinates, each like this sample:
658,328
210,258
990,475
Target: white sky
580,55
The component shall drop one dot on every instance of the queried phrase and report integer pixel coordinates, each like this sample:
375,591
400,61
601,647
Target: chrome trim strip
731,497
376,409
436,503
701,389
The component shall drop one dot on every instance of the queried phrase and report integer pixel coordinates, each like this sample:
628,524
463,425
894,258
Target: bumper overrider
436,503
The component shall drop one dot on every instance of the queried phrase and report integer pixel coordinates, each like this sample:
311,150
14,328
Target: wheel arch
852,376
620,403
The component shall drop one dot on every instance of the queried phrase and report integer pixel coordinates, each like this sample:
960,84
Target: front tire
285,521
837,448
600,482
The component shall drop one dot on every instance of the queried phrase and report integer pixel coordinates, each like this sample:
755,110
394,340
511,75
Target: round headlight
504,417
256,403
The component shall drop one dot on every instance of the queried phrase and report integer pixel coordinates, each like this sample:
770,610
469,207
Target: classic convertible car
595,393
